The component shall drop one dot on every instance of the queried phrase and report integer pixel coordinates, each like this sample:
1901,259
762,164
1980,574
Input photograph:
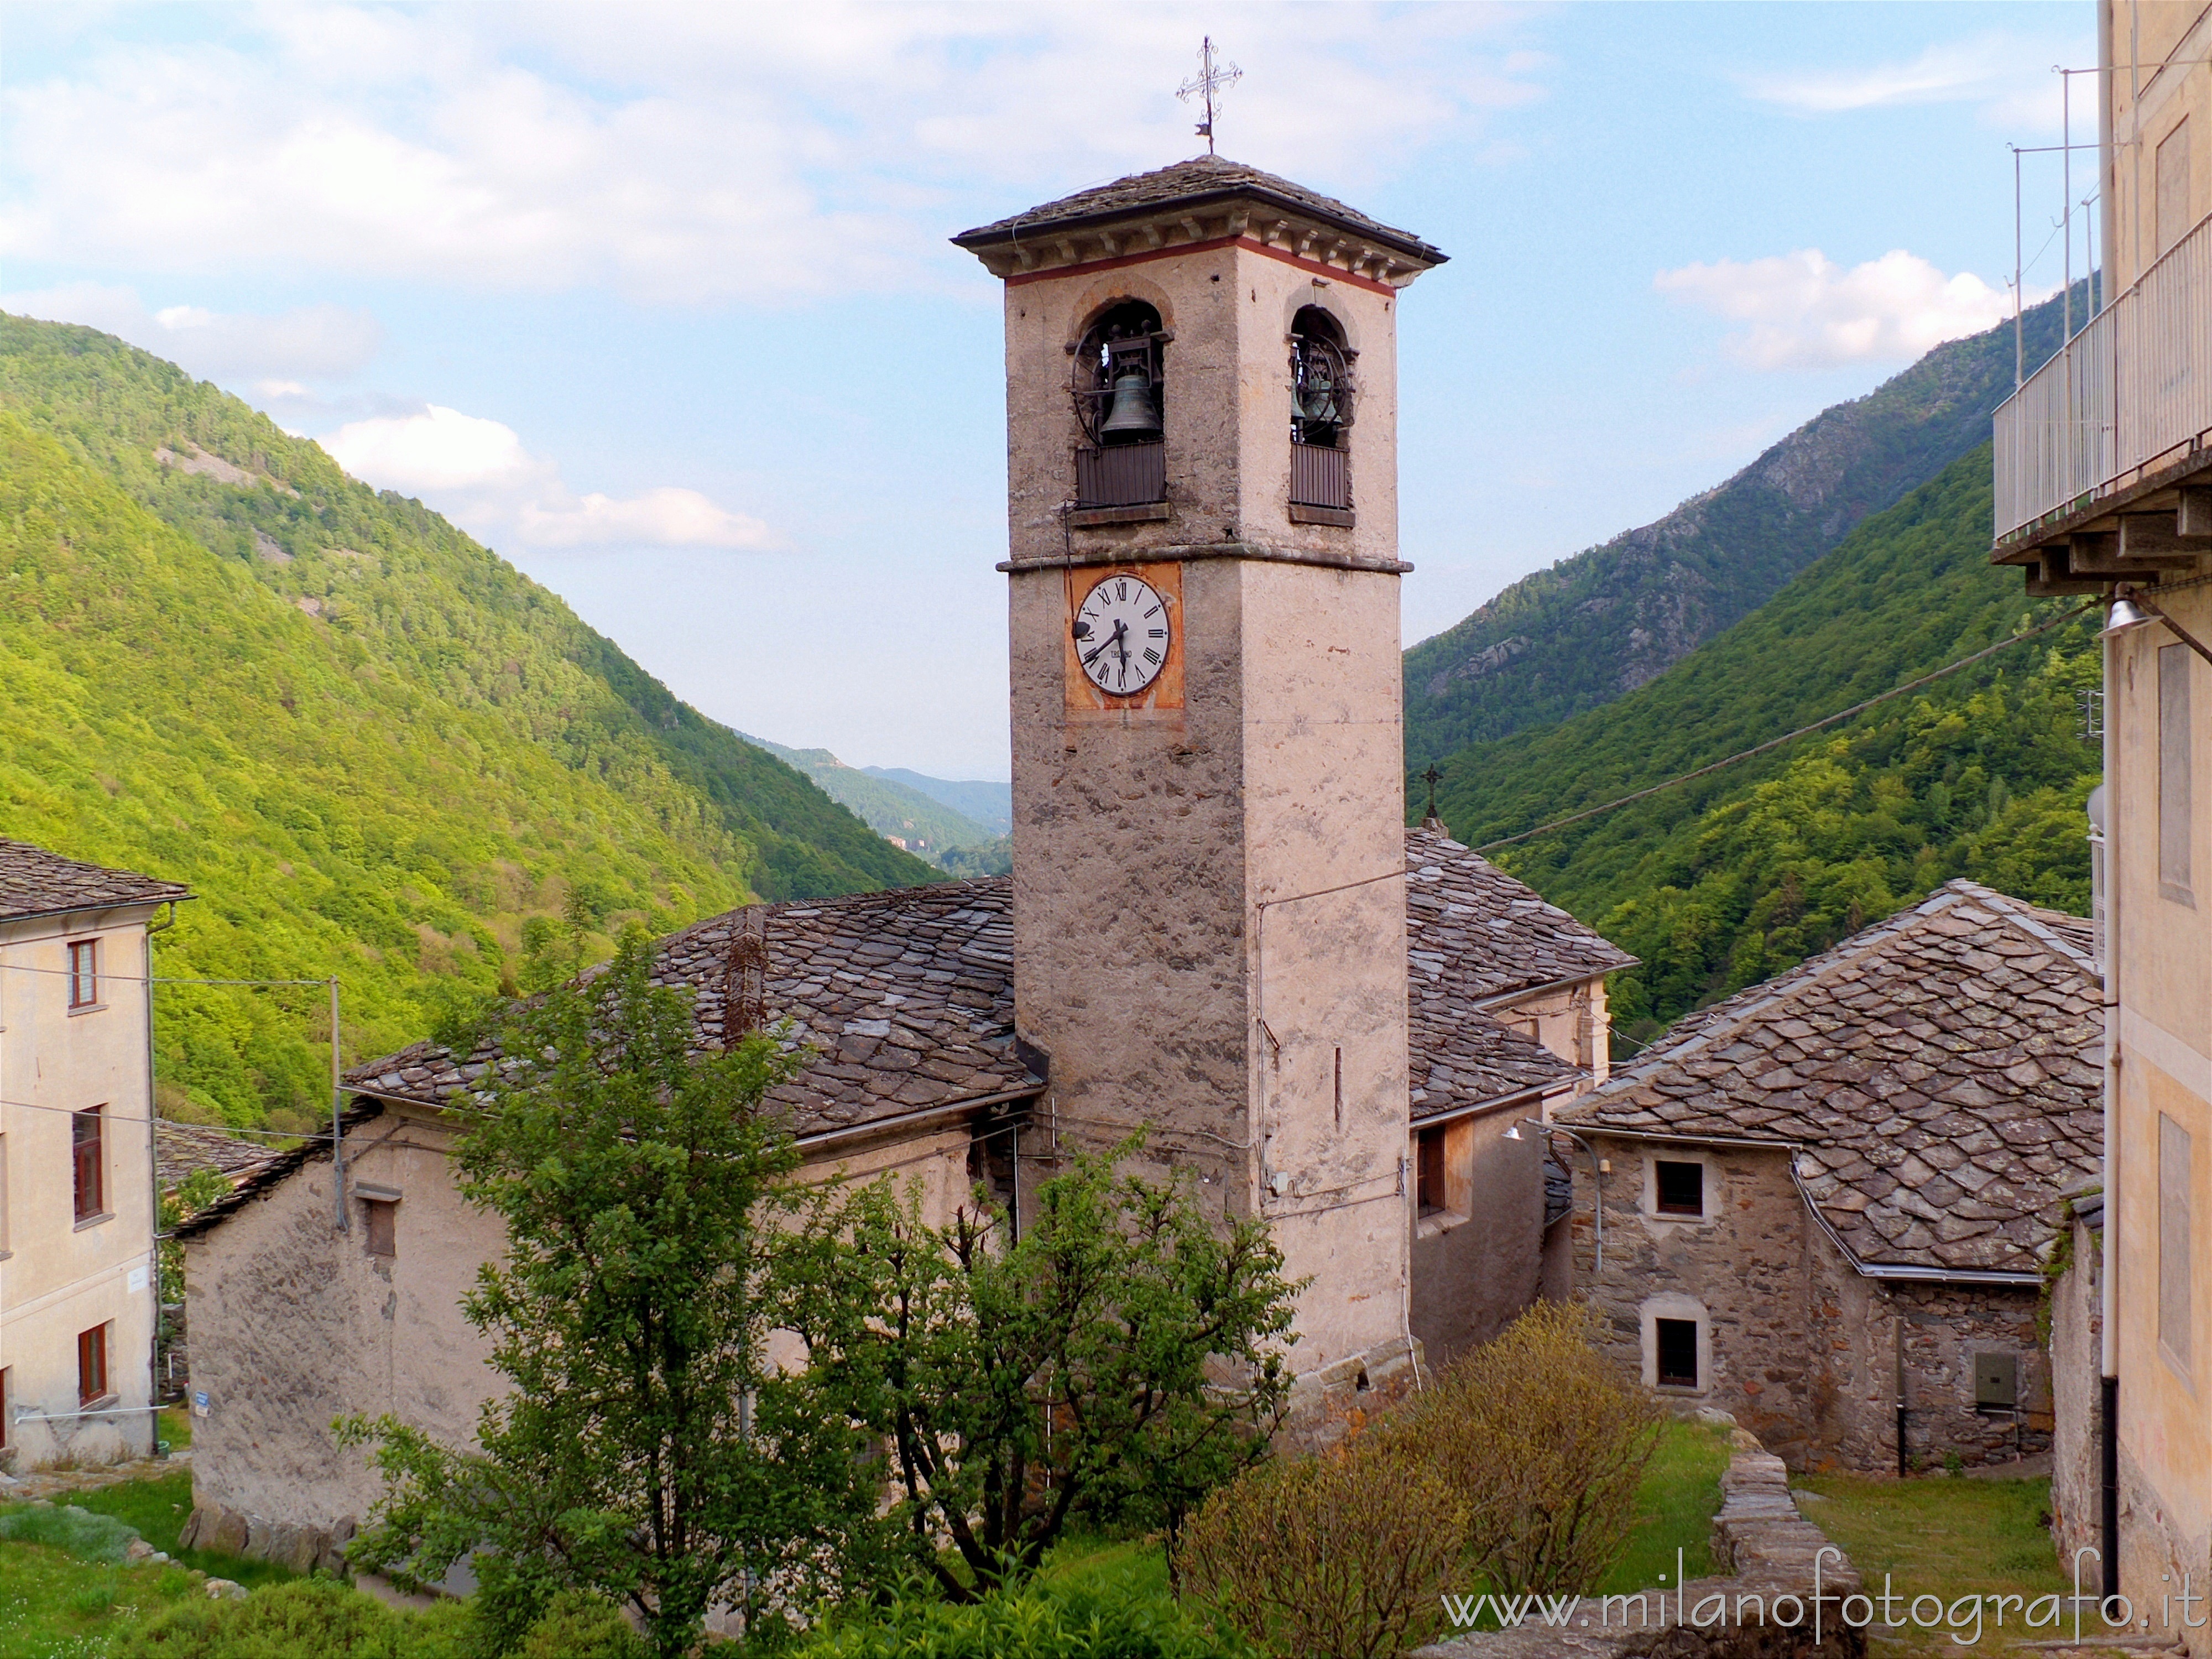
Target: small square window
84,974
1681,1187
92,1364
1677,1342
383,1228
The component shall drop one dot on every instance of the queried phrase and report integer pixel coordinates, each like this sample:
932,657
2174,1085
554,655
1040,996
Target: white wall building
77,1284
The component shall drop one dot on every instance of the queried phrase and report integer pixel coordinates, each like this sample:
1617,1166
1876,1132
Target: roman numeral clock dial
1121,635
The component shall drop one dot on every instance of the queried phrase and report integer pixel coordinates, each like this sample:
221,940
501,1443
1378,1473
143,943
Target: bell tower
1209,842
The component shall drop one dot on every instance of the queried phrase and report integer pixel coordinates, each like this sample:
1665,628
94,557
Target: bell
1133,418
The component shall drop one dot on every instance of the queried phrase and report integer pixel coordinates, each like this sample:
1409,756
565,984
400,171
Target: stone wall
1743,1272
1801,1347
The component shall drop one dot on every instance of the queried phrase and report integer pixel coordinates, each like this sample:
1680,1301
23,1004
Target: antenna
1213,78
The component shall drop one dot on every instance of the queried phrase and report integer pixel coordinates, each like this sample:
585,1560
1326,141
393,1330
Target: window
1121,404
92,1364
2174,802
84,974
89,1159
1677,1343
1320,414
1430,1182
383,1228
6,1422
4,1195
2173,1239
1678,1188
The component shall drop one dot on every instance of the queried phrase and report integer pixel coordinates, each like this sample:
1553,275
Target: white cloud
1805,311
2010,78
680,152
308,342
479,472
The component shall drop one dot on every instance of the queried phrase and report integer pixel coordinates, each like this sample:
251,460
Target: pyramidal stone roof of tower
1198,192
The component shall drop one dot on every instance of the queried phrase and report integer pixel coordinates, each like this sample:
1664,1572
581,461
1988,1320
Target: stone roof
909,994
1201,179
1498,936
36,882
181,1148
1940,1074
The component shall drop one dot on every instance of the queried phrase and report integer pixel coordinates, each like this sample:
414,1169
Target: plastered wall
60,1276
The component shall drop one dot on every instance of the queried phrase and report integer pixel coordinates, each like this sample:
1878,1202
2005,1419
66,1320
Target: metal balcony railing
1320,477
2131,389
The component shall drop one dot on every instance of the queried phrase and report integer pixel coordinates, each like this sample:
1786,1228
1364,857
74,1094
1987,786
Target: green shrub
1041,1621
65,1528
580,1626
1544,1442
315,1616
1343,1556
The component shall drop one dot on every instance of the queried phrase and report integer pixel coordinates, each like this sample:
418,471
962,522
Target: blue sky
656,300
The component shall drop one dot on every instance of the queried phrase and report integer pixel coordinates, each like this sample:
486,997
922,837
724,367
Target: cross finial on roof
1213,78
1432,777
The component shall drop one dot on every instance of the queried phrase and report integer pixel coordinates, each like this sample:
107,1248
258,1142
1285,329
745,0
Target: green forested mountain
1595,626
374,747
1721,882
886,805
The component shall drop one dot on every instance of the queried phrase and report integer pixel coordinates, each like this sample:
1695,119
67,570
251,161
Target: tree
650,1451
1117,1360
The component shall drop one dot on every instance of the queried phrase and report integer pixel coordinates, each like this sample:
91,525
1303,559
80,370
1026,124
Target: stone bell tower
1208,843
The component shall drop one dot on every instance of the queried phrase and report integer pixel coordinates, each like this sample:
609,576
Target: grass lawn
157,1508
1949,1538
1675,1509
54,1607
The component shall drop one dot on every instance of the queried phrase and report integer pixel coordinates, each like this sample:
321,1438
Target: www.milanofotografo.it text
1967,1617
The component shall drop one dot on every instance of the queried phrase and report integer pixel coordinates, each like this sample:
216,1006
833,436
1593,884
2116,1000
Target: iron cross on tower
1212,77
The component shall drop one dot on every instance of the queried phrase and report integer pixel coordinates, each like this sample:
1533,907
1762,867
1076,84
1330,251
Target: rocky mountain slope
1599,624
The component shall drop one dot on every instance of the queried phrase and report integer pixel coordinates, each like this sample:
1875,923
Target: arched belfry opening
1321,398
1119,382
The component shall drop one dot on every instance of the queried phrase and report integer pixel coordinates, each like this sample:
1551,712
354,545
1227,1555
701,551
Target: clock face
1121,635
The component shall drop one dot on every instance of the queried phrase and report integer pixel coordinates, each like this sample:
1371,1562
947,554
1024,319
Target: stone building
1214,906
908,998
1507,1022
1828,1201
2104,476
77,1288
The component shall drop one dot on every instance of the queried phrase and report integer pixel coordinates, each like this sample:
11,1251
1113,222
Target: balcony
2125,403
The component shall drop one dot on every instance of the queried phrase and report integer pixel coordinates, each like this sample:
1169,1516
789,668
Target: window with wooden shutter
1430,1196
89,1156
383,1229
92,1364
84,974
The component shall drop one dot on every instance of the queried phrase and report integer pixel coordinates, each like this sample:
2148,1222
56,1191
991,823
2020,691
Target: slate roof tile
907,996
1927,1138
36,882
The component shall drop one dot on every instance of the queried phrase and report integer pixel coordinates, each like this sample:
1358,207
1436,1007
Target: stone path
57,1483
1770,1550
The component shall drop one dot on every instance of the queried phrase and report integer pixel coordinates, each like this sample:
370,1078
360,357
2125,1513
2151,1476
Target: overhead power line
1775,743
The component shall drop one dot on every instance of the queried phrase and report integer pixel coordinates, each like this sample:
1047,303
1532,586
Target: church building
1218,930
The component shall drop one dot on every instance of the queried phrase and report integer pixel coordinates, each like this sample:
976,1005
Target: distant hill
892,806
991,804
374,748
1721,882
1597,625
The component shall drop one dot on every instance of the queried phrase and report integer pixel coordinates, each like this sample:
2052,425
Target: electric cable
1775,743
